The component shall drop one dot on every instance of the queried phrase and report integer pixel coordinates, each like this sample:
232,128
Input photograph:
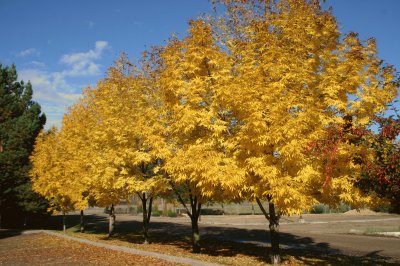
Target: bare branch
180,198
266,214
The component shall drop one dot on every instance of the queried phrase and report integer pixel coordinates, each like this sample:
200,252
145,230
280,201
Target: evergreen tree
20,122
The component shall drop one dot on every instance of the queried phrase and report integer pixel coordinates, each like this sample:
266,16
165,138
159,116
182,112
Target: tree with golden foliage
194,73
124,108
52,178
294,77
246,106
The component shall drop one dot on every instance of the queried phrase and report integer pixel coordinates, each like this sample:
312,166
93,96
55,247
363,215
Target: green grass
374,230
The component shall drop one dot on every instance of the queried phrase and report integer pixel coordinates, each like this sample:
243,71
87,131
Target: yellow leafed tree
122,159
51,176
193,76
293,79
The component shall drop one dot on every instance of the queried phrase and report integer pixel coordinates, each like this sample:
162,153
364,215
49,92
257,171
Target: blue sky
63,46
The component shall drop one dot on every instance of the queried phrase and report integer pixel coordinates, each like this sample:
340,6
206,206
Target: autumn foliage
265,103
381,173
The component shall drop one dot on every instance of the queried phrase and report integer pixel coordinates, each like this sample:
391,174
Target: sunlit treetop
294,77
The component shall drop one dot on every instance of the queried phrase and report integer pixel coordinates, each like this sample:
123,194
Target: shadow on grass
4,233
228,242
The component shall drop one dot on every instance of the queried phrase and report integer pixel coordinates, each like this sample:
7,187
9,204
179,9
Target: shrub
318,209
171,213
211,212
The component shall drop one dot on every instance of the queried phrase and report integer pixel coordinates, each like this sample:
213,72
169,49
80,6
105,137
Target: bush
318,209
155,212
382,208
211,212
171,213
343,208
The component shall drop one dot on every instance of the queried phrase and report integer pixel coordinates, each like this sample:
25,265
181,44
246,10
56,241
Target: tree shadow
93,223
256,243
5,233
225,241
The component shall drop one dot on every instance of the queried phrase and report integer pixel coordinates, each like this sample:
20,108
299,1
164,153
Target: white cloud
53,90
37,64
28,52
86,56
47,87
82,64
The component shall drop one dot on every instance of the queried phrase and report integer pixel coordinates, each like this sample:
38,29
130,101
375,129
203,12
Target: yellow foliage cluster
228,111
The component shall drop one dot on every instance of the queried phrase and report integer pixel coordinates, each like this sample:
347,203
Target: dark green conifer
20,122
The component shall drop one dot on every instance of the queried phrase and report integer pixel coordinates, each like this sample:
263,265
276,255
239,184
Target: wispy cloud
82,64
49,87
35,64
53,90
90,24
28,52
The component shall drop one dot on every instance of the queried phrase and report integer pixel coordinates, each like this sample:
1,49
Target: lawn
43,249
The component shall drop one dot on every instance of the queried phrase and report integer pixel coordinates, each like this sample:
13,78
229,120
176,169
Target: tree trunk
195,235
164,207
274,234
194,214
64,223
146,216
82,225
111,221
273,219
25,220
196,207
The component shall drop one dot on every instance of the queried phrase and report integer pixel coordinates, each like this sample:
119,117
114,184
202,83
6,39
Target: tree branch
149,208
180,198
139,195
263,209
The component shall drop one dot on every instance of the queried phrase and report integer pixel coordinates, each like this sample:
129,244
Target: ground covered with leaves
225,252
42,249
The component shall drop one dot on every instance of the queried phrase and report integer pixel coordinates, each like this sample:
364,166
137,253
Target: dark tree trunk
82,225
111,221
64,222
146,216
274,232
273,219
194,216
195,235
25,220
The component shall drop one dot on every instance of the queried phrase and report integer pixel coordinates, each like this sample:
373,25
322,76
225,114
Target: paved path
169,258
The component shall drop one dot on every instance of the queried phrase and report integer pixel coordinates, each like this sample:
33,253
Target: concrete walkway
169,258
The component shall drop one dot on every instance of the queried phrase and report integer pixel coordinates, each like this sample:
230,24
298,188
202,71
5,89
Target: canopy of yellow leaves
230,111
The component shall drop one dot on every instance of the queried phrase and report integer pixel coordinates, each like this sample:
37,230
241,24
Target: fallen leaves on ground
42,249
227,252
